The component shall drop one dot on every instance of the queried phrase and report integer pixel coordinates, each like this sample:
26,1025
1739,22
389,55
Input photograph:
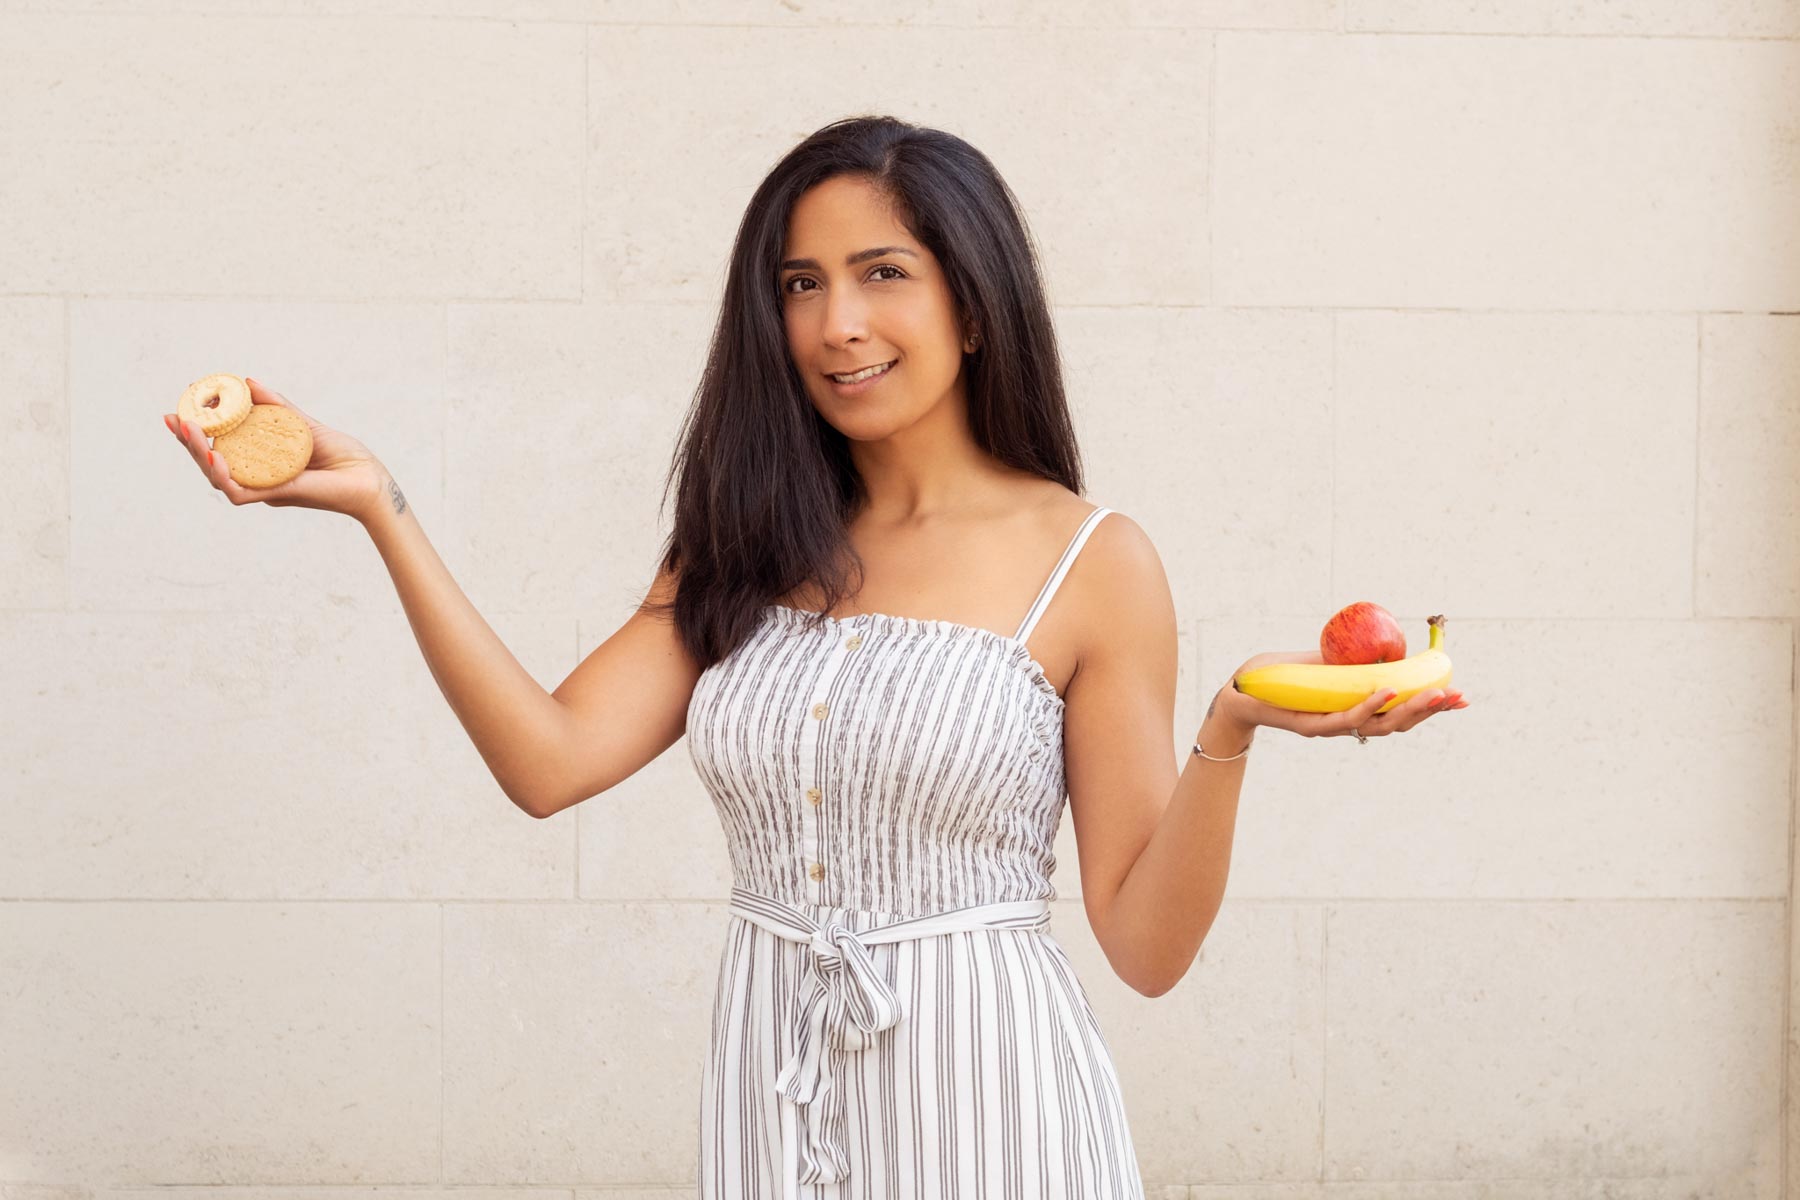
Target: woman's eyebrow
795,264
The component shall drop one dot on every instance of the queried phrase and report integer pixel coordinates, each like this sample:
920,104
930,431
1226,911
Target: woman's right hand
341,477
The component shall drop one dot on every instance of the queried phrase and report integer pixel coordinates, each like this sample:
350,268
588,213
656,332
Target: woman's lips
862,385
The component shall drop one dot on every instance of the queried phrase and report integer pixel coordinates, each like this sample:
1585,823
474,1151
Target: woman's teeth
872,371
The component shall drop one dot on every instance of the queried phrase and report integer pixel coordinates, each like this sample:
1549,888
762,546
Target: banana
1335,687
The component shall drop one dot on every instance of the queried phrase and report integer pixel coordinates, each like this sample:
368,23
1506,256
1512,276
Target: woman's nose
846,318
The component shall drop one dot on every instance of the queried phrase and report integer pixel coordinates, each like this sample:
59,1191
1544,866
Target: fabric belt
848,1004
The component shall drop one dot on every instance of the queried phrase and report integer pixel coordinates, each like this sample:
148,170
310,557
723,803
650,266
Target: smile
865,373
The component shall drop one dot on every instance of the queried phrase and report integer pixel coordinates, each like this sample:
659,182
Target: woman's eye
791,289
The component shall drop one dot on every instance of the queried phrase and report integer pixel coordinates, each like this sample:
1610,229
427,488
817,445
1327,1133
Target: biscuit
271,445
216,404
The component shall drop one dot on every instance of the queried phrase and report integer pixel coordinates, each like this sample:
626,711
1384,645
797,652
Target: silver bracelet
1233,758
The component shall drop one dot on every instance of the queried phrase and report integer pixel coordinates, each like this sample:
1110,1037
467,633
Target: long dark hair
767,486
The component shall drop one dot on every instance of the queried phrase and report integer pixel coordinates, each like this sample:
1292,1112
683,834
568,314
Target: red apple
1363,632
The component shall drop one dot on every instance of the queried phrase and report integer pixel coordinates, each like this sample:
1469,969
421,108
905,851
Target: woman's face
845,311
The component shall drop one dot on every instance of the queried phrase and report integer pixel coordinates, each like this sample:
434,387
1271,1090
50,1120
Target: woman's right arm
621,707
516,726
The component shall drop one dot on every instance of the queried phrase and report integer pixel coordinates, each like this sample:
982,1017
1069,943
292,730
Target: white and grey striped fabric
893,1017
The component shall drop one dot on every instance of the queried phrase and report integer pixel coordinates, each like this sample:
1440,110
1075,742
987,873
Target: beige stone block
1529,465
1596,759
1639,18
1526,173
1727,1185
574,1040
1032,14
247,757
686,122
1223,1075
372,1191
1792,1048
325,156
220,1043
656,835
1212,429
1555,1040
840,13
34,445
562,426
1234,14
1747,550
941,14
147,531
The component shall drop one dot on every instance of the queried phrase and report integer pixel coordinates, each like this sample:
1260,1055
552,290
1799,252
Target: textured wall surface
1488,308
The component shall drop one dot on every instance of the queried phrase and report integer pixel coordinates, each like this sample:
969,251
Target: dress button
812,796
817,871
855,642
819,711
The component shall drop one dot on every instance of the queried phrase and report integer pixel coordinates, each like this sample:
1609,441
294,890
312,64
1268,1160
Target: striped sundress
893,1018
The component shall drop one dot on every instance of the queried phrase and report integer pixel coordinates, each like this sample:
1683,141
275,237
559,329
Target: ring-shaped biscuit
215,404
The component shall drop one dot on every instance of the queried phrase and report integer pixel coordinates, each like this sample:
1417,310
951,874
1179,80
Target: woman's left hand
1361,718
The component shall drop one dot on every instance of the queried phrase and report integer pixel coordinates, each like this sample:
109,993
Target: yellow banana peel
1335,687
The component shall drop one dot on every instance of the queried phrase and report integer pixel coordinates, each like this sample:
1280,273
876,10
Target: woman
853,623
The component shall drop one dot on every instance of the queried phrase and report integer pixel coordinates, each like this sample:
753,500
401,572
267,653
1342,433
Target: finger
1437,702
193,439
1355,718
218,472
1345,721
1424,706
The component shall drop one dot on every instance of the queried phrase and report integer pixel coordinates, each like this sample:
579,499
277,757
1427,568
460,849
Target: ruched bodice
912,765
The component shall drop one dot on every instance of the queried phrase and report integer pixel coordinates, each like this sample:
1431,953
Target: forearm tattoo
396,497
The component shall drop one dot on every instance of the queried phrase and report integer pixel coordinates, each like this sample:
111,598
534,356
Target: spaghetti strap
1056,577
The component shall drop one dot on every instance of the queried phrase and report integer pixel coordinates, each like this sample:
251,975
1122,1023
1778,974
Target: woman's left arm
1154,843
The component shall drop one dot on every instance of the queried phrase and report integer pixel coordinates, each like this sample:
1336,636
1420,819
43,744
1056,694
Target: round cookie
271,445
215,404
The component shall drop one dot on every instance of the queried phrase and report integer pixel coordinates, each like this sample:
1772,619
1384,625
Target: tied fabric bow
848,1004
